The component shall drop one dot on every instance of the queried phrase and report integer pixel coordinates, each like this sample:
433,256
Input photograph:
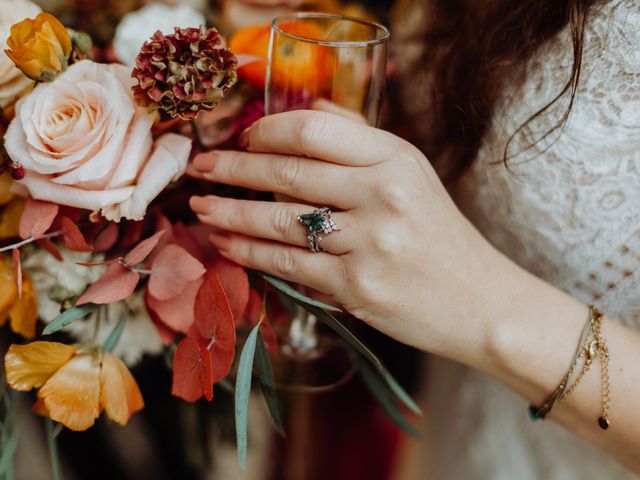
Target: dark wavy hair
470,45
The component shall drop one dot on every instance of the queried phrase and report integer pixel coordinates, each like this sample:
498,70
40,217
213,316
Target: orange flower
76,383
40,47
23,311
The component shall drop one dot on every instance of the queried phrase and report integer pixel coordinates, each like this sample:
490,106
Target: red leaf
18,270
213,327
192,371
51,248
96,264
116,284
37,217
256,312
183,237
106,239
167,334
171,272
72,236
201,233
162,224
143,249
131,234
177,313
235,283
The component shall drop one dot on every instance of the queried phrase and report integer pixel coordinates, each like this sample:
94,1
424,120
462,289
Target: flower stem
31,240
196,134
53,450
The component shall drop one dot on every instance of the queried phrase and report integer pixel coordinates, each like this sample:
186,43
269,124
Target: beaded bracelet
590,345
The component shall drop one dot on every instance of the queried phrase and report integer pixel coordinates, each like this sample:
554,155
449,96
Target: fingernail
200,204
204,163
243,141
220,240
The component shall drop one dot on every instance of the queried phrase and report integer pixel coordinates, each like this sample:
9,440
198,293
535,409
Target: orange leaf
235,283
37,217
172,270
116,284
119,393
72,394
106,239
141,251
29,366
17,266
72,236
24,312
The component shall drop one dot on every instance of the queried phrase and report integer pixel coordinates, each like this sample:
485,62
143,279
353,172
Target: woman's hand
405,260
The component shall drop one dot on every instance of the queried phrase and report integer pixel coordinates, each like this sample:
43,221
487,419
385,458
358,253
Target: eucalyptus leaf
114,337
288,290
267,385
243,388
68,317
6,454
350,338
379,390
225,384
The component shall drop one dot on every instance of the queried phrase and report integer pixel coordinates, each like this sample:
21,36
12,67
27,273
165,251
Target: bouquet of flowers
100,260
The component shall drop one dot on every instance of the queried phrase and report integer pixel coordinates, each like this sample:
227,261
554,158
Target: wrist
531,334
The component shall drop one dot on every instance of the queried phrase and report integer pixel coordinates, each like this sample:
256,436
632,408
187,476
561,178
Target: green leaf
226,384
6,454
400,392
352,340
288,290
243,387
113,338
68,317
379,390
319,309
267,385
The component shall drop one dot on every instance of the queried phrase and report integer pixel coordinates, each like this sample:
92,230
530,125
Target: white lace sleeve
568,209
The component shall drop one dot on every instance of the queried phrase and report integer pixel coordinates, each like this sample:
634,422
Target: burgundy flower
184,73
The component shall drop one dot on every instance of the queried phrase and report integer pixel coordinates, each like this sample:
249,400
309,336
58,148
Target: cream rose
12,81
85,143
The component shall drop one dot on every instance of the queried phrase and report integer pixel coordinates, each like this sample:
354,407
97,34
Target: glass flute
337,64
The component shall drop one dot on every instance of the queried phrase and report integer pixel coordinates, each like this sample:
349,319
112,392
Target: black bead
604,423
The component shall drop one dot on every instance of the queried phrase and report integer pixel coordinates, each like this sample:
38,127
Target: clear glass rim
385,34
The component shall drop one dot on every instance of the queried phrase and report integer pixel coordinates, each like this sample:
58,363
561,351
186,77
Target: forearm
529,342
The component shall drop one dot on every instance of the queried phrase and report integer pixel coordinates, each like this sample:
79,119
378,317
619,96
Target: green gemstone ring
319,224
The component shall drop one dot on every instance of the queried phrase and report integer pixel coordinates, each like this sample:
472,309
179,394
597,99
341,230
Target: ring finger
276,221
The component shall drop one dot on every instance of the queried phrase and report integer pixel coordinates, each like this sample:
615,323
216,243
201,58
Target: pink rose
85,143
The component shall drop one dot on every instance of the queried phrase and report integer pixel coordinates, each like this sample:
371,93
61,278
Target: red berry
18,173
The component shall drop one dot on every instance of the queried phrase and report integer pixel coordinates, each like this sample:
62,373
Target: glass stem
302,333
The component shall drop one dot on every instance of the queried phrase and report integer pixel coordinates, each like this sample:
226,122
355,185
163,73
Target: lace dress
567,210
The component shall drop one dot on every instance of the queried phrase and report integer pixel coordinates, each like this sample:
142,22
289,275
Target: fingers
320,135
309,180
272,221
320,271
326,106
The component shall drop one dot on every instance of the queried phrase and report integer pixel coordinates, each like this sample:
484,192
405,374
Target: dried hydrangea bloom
184,73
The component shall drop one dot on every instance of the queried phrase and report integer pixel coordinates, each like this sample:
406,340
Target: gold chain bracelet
591,344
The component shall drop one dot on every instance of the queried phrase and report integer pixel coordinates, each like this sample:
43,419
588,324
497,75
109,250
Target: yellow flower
23,311
40,47
76,383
